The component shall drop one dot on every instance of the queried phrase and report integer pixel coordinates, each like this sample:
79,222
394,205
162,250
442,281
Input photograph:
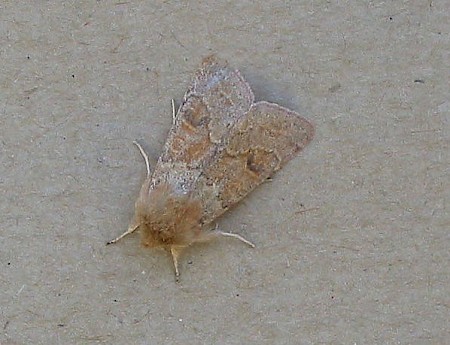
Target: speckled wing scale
259,144
217,98
220,147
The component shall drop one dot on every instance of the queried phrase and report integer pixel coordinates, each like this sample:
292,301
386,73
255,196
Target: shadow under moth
220,147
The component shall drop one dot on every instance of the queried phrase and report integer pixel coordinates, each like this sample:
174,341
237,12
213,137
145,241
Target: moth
220,147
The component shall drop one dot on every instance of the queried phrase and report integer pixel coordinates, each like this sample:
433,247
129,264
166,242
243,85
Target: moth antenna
130,230
174,114
144,154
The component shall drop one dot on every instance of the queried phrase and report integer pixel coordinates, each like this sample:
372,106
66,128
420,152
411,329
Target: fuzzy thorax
166,219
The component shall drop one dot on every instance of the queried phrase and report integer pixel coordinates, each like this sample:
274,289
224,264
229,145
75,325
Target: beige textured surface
352,236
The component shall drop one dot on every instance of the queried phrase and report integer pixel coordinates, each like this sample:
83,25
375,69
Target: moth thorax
166,218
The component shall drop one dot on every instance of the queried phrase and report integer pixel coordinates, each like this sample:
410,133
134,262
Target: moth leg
144,154
176,251
217,232
130,230
239,237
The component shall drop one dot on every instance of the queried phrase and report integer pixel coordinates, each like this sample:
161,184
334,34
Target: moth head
167,219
